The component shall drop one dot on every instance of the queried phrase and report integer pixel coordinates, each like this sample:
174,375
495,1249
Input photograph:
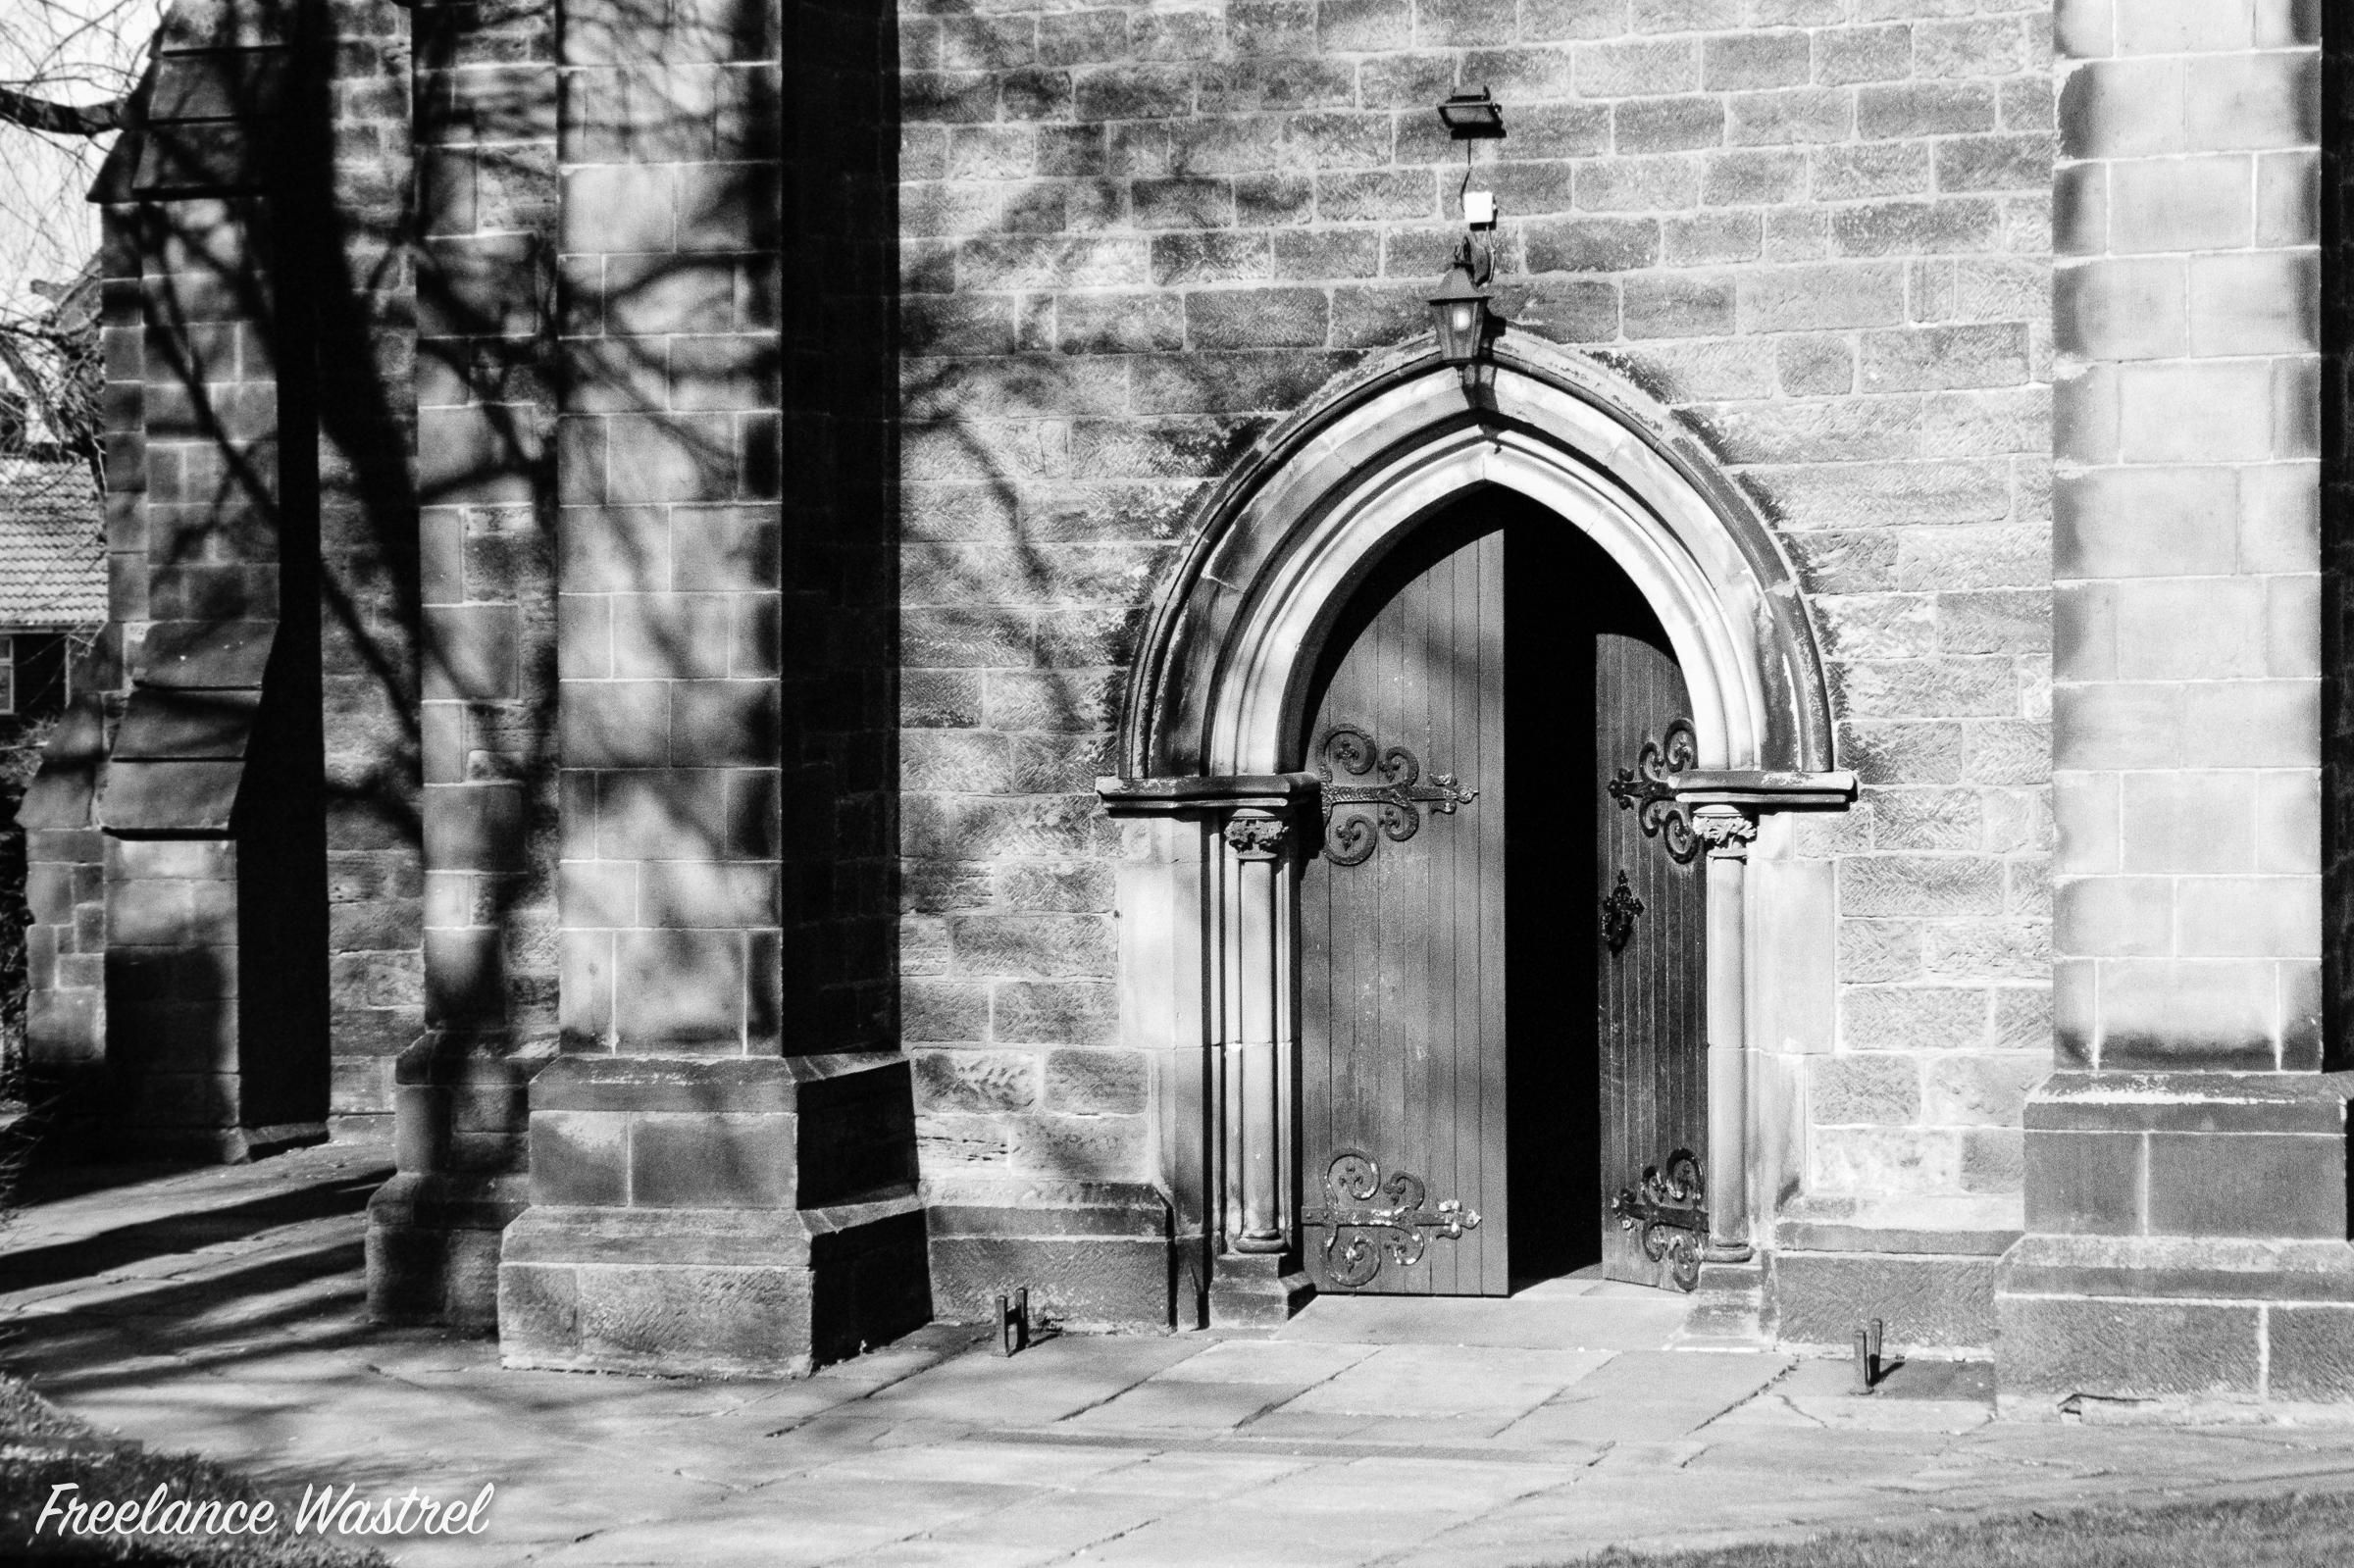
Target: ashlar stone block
2054,1348
2311,1355
750,1216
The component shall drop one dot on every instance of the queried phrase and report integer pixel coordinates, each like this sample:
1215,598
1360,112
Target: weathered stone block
950,1145
695,894
466,975
1083,1280
539,1306
2310,1355
579,1158
711,1161
474,827
2221,1013
1945,357
1069,1012
63,1028
1096,1083
1863,1088
717,723
1919,885
2085,1182
715,1295
1677,307
1926,1300
161,723
167,796
2258,303
2247,917
680,988
1923,109
686,1316
1991,1089
1091,1148
615,723
2252,1185
2019,163
975,1080
1890,1160
2054,1348
942,1011
1032,946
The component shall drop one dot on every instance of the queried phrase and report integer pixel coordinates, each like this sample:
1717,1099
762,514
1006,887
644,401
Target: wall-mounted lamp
1462,313
1472,116
1461,310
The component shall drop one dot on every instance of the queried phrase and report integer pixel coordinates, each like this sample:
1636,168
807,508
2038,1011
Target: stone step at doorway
1579,1311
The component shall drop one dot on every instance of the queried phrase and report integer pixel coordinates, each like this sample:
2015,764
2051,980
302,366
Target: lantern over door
1461,310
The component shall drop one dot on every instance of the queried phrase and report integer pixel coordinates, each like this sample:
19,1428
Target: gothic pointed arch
1280,542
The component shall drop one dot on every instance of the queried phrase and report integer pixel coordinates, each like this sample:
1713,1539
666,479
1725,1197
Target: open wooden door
1650,896
1401,931
1405,1005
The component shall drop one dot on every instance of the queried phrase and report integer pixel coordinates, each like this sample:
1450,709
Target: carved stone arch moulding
1316,502
1213,763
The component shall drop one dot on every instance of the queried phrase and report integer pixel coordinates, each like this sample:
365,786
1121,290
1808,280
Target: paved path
220,1310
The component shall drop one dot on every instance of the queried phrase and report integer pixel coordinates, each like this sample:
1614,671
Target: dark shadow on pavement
125,1245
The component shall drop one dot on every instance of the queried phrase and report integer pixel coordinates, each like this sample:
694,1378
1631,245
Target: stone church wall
1134,237
508,627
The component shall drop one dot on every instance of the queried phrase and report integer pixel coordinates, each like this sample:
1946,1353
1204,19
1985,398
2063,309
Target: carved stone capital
1256,838
1728,830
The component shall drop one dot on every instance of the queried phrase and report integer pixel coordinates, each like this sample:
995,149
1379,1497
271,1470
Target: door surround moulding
1213,729
1313,505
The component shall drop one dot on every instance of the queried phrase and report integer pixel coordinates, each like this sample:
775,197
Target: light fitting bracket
1472,116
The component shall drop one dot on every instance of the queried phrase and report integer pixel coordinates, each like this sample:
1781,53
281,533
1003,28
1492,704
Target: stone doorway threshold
1579,1311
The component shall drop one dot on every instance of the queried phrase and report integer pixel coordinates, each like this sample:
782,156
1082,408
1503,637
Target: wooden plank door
1401,926
1652,1057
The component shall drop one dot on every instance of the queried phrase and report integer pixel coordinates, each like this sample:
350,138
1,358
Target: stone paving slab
1266,1361
1368,1430
1601,1321
1452,1382
1188,1406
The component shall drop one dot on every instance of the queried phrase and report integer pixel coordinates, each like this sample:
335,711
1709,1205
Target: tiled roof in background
51,546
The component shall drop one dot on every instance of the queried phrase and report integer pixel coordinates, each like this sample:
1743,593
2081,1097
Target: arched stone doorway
1502,975
1219,793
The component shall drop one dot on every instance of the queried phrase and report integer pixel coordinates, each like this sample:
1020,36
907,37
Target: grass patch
40,1446
2285,1532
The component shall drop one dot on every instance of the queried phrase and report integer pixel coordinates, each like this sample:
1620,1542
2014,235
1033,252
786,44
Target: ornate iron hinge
1669,1209
1351,1182
1397,801
1648,789
1618,912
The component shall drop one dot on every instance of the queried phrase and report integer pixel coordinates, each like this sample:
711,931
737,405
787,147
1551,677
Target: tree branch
57,118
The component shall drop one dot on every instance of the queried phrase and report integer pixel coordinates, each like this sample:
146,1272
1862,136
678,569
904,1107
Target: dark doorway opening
1562,593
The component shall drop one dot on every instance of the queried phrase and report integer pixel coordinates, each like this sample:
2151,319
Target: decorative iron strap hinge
1400,1227
1648,789
1398,801
1669,1209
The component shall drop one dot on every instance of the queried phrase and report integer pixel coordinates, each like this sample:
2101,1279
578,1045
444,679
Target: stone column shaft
1259,971
1728,833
